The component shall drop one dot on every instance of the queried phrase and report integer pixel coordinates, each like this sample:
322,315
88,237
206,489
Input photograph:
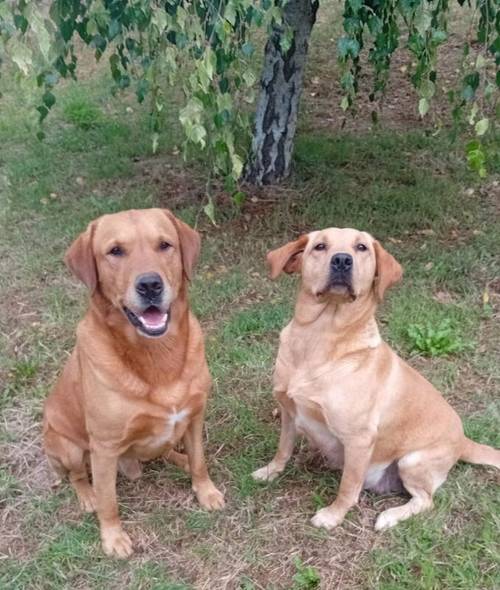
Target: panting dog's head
138,260
341,264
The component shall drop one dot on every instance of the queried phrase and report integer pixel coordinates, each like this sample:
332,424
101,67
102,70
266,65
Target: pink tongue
153,317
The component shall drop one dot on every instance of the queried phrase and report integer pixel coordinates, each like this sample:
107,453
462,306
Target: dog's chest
152,435
311,425
166,433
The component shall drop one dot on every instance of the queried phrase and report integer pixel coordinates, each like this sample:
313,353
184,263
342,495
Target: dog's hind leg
130,468
67,458
421,472
179,459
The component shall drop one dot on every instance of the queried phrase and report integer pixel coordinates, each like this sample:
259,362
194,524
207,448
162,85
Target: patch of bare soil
168,178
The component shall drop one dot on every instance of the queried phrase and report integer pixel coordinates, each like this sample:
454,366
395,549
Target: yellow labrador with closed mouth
341,386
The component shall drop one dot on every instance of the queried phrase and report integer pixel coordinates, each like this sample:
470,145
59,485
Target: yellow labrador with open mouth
137,382
339,384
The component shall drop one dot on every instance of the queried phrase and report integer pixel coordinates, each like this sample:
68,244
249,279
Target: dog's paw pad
87,501
326,519
210,498
116,543
385,521
265,474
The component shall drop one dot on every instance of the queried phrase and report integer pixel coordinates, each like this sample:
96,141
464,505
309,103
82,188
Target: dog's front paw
327,518
116,543
267,473
209,496
87,499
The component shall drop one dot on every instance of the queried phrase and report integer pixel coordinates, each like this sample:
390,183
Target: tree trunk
281,87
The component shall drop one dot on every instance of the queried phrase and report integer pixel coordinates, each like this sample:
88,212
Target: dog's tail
474,452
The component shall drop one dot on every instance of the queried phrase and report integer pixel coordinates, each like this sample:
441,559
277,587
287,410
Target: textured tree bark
281,86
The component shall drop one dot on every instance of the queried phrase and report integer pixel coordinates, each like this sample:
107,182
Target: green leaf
230,13
427,89
41,33
247,49
347,47
286,41
21,55
423,107
68,26
355,5
237,163
20,22
423,21
480,62
198,135
114,29
473,113
482,126
476,157
142,89
210,63
43,112
209,210
249,78
239,198
154,142
51,78
489,91
438,36
48,99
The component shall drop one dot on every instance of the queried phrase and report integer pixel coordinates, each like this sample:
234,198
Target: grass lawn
409,189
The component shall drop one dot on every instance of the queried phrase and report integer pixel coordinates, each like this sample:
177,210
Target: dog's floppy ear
190,243
288,258
388,272
80,258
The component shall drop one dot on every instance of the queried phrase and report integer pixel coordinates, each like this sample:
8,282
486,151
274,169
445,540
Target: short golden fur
339,384
124,397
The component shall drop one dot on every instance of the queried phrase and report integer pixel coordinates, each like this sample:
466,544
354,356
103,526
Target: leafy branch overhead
206,48
201,46
425,25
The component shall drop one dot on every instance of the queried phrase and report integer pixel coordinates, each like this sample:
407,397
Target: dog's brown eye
164,245
116,251
361,247
320,246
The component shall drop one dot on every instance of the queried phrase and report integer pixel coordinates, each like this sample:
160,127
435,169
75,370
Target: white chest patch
178,416
168,431
318,433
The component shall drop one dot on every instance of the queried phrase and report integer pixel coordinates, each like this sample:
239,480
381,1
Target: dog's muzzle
150,316
340,276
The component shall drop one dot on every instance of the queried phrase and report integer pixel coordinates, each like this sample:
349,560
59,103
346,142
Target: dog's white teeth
154,322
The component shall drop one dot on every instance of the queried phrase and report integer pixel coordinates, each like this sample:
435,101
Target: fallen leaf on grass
443,297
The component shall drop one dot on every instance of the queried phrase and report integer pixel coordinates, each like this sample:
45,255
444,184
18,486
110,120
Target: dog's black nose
149,285
341,262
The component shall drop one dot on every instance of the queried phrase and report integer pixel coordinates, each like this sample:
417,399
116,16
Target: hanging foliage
204,47
423,25
200,46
